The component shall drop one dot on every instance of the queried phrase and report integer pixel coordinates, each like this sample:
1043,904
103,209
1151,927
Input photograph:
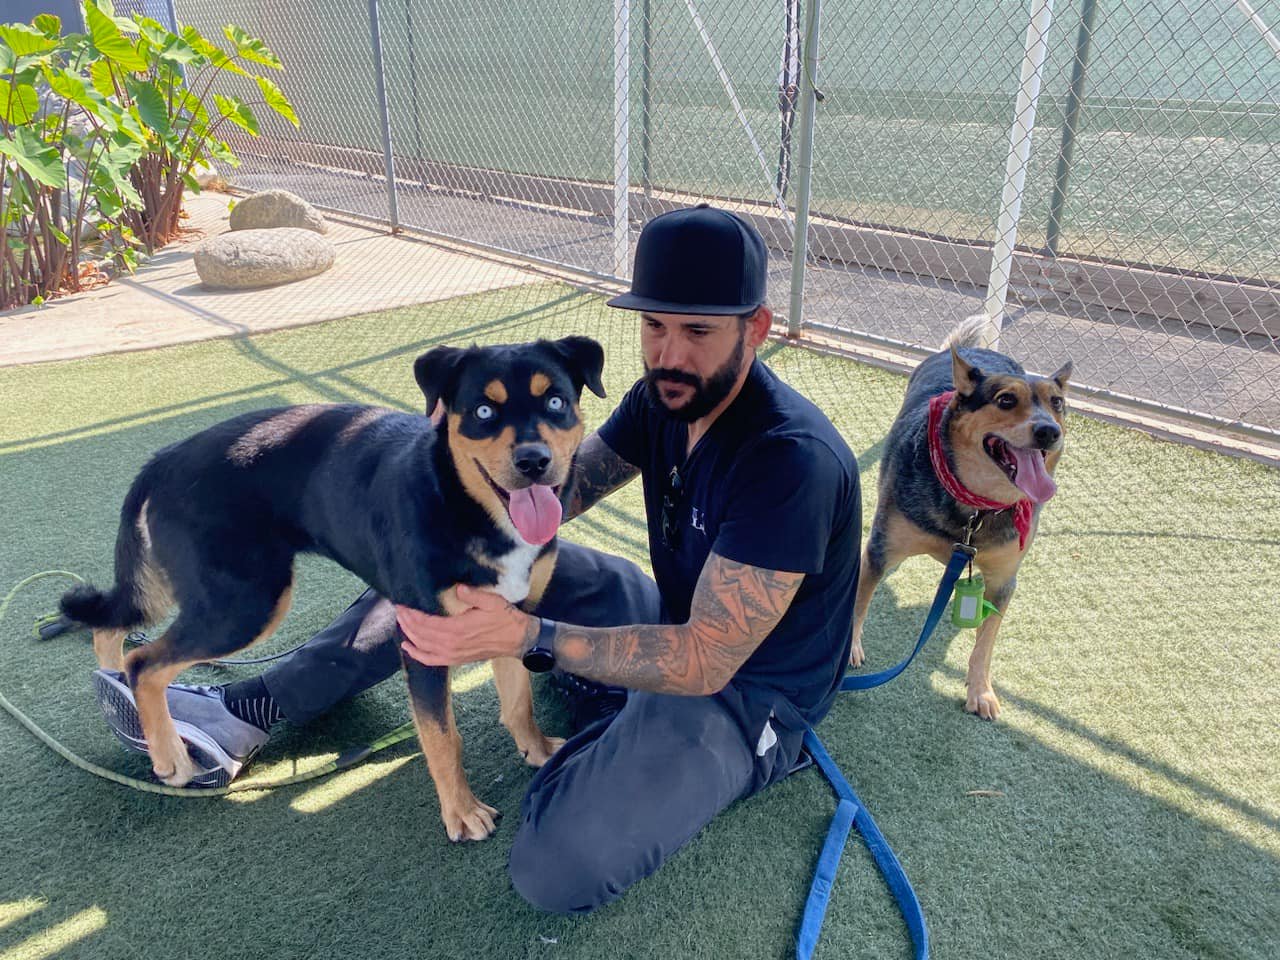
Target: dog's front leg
515,694
893,539
464,816
869,577
981,697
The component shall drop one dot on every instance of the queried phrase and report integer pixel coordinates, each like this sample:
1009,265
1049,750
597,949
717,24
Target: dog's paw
984,703
856,656
470,820
183,771
541,750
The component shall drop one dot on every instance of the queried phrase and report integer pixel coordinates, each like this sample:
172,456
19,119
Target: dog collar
1023,510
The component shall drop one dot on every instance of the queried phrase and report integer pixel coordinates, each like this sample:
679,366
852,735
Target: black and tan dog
975,443
212,524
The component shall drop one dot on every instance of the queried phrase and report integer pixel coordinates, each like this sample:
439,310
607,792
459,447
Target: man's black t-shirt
771,484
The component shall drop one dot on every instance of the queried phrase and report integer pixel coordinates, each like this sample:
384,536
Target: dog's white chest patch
513,582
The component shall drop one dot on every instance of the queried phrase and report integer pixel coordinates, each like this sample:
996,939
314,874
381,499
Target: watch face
539,660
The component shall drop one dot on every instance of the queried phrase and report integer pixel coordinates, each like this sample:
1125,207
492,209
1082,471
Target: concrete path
1230,376
164,303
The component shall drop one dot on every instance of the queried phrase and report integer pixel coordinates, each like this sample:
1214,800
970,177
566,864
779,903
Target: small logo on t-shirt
697,519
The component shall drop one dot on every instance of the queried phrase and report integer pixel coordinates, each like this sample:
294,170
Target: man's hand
489,627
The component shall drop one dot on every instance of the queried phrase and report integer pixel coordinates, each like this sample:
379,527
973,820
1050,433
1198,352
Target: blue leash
850,811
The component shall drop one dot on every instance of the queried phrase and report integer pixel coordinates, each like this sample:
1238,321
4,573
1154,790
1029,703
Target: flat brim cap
699,260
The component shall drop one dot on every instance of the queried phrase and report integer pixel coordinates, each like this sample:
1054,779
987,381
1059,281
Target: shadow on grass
332,384
1065,860
966,802
329,383
1155,535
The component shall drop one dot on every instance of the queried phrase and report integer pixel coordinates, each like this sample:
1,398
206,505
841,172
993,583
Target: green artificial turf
1126,804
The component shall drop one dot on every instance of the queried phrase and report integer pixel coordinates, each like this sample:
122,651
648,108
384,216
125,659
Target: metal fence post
171,16
1075,100
1259,25
646,79
384,116
621,135
1015,174
804,163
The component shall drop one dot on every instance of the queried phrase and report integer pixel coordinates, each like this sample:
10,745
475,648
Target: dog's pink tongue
1033,479
536,513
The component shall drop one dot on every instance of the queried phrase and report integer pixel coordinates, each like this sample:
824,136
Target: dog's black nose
1046,435
532,459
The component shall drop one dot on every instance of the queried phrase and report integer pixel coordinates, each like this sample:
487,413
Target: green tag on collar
969,608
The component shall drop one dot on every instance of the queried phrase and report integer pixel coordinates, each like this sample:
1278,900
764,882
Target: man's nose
673,355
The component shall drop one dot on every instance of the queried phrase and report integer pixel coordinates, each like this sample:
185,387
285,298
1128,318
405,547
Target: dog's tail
976,331
122,606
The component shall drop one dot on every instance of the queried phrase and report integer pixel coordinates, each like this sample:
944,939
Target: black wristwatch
541,657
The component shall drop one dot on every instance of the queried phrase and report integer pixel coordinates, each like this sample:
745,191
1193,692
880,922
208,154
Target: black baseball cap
700,260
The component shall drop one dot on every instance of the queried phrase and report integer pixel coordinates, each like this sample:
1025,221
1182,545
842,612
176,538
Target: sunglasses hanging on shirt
672,500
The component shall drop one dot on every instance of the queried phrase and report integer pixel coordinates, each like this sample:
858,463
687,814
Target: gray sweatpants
621,796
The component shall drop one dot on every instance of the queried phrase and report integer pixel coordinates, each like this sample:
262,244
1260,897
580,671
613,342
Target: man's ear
758,325
437,372
584,359
964,374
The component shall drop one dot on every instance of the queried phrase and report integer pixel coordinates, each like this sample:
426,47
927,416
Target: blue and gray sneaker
220,743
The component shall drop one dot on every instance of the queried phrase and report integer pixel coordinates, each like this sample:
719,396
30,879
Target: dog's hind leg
141,596
108,647
201,632
153,598
515,694
150,669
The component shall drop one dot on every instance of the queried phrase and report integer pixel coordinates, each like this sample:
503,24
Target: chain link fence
516,150
1134,230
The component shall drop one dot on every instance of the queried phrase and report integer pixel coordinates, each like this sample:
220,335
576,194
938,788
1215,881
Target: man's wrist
532,624
539,650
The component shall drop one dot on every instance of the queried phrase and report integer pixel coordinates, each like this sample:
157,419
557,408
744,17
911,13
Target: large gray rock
262,258
276,208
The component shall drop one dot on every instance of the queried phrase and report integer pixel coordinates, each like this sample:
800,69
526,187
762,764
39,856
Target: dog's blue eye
1006,401
485,412
555,403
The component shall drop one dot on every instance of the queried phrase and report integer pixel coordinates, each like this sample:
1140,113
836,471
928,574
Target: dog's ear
437,374
585,360
964,374
1061,376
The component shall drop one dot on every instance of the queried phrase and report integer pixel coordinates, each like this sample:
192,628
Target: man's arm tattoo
735,606
598,472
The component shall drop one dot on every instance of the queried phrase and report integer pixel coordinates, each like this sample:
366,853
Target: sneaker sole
217,767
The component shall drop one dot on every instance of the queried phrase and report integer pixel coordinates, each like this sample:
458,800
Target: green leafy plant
100,134
65,155
167,81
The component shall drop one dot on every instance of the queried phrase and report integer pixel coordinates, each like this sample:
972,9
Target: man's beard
707,394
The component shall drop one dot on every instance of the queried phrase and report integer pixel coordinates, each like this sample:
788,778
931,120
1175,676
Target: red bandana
1023,510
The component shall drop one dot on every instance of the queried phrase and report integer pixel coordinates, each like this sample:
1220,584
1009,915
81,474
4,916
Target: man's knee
559,874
